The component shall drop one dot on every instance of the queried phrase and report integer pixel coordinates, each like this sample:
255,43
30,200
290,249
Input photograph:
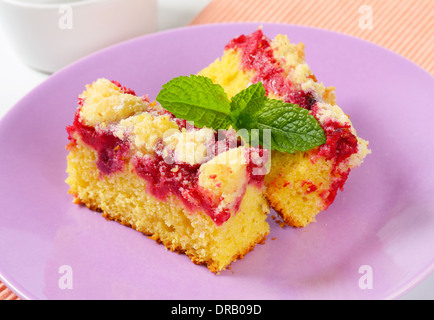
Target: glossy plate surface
381,225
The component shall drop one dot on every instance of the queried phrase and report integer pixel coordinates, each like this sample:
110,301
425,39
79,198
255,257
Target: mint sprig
198,99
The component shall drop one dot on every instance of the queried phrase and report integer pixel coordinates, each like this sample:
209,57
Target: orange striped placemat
403,26
6,294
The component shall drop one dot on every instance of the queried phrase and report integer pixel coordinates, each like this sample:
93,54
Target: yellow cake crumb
190,146
231,74
146,130
104,103
225,176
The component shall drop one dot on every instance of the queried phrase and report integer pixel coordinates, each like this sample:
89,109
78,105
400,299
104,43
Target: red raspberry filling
341,142
111,150
123,88
257,55
337,184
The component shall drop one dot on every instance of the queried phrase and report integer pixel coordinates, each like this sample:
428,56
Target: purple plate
374,242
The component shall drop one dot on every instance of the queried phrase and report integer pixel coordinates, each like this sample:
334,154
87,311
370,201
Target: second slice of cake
300,184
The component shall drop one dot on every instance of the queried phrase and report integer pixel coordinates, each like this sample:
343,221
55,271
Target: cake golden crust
215,268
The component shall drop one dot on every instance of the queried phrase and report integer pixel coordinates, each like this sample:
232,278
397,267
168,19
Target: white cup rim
35,5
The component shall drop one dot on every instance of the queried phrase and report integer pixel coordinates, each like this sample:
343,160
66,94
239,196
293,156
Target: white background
16,80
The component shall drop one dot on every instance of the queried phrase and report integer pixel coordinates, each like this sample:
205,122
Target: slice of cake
302,184
194,190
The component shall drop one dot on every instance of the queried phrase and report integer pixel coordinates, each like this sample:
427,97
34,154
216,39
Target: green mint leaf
197,99
292,128
250,99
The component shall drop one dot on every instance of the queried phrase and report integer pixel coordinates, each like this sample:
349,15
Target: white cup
50,34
